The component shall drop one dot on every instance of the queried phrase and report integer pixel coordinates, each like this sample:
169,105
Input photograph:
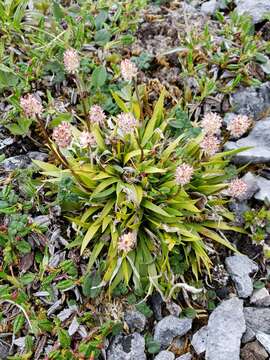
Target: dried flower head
96,114
239,125
31,105
183,174
62,135
127,242
71,61
211,123
128,69
126,122
87,139
210,144
237,188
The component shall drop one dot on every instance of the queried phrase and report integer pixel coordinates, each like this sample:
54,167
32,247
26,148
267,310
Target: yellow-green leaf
89,235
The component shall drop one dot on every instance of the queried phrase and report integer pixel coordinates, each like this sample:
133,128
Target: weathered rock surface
225,329
186,356
253,351
257,9
260,297
258,319
253,101
199,340
264,340
16,162
258,139
210,7
135,320
170,327
23,161
165,355
264,189
252,183
4,350
130,347
240,267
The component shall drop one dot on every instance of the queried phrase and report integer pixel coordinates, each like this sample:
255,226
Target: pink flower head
31,105
128,69
237,188
62,135
71,61
183,174
96,114
126,122
127,242
239,125
211,123
87,139
210,144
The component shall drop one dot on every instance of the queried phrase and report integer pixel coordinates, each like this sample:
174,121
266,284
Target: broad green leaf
156,209
103,186
154,170
214,236
63,338
119,102
99,77
91,232
20,128
134,153
98,137
18,323
94,254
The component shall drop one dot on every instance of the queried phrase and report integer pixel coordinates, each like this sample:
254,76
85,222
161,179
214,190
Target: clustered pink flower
128,69
71,61
127,242
183,174
239,125
87,139
210,144
126,122
62,135
31,105
96,114
211,123
237,188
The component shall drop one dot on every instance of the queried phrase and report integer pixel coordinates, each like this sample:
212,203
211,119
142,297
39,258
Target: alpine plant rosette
137,193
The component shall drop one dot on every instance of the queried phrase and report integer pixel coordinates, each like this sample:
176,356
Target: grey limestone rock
170,327
130,347
240,267
225,329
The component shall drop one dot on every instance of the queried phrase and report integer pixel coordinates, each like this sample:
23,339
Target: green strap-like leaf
94,254
156,209
151,125
119,102
89,235
103,186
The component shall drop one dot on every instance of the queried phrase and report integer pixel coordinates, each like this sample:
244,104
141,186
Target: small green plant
93,27
218,60
257,222
140,202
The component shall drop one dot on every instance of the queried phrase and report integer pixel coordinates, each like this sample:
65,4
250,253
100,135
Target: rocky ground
238,325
